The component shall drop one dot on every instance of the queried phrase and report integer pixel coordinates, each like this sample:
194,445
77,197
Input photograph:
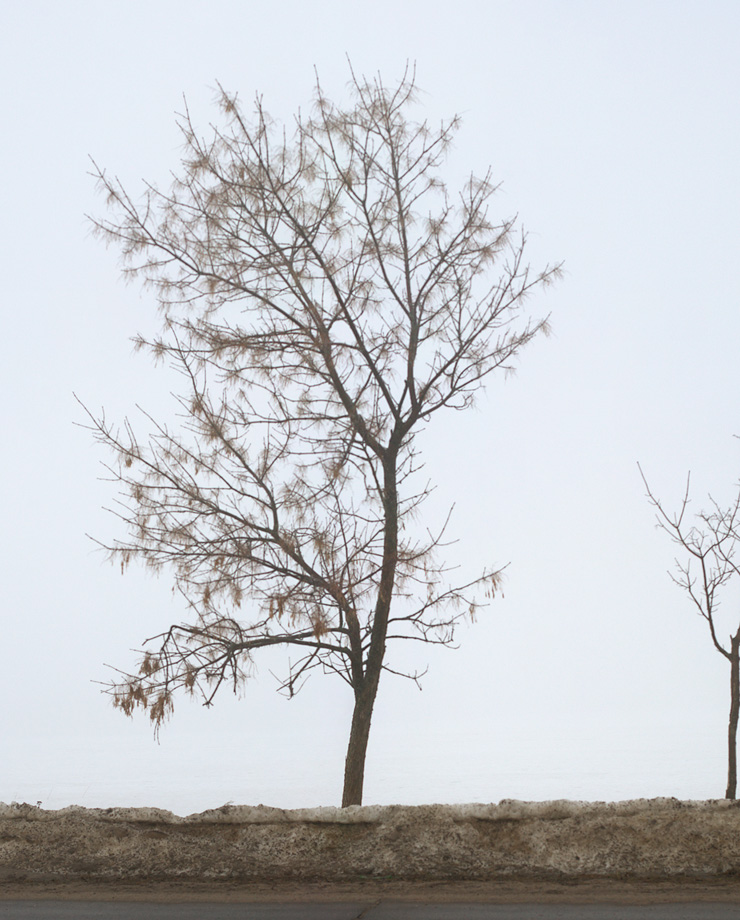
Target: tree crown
324,295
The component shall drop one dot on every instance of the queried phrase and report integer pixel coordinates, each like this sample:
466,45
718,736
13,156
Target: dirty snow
643,838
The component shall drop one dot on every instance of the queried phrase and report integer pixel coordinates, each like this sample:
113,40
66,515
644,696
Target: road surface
360,910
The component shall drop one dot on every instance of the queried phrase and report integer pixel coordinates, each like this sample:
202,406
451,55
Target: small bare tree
709,550
324,298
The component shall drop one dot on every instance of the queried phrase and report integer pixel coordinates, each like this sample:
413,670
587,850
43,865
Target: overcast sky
614,128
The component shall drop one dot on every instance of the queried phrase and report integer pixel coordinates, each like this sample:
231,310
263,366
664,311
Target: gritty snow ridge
640,839
505,810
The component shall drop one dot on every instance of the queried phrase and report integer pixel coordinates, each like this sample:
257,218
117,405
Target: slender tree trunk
354,765
367,689
734,712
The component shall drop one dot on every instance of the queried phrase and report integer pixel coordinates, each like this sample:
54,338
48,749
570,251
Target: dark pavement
384,910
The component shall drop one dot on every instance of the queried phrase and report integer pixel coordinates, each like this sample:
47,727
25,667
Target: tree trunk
734,712
366,687
354,765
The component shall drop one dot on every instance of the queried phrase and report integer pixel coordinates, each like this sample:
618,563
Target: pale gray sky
614,128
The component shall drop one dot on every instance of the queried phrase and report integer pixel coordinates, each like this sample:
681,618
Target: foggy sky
614,131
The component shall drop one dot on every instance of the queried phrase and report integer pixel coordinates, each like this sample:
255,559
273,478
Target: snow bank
644,838
505,810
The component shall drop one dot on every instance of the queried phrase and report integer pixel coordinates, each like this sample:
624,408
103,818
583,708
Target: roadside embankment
641,839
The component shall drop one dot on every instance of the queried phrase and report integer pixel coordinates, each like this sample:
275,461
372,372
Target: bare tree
324,298
709,547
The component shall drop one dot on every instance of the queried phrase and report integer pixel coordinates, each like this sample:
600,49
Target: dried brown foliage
324,297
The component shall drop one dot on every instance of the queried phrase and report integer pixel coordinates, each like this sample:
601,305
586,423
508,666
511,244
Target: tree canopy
324,297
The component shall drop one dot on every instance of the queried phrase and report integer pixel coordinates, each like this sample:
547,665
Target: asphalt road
358,910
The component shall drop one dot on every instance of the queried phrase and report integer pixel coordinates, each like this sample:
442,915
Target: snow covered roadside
647,838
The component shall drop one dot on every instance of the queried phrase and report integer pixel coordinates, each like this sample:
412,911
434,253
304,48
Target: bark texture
731,792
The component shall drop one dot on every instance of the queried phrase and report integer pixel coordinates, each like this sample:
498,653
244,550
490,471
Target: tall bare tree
324,298
709,562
